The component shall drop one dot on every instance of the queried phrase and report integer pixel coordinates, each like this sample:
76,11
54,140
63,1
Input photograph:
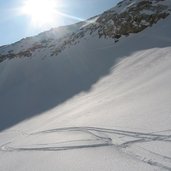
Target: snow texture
98,105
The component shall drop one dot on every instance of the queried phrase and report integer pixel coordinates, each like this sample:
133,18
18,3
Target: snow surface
98,105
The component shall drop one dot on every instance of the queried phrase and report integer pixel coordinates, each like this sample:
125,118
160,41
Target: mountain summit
94,95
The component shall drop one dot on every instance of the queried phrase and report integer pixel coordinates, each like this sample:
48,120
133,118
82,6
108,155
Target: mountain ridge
125,18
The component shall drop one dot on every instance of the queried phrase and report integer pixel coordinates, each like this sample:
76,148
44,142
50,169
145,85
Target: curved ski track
126,141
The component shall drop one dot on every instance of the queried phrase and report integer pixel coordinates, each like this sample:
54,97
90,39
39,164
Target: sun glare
41,12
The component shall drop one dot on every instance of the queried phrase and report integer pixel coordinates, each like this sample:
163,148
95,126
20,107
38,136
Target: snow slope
98,105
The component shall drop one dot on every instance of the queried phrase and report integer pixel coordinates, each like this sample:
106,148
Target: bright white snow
98,105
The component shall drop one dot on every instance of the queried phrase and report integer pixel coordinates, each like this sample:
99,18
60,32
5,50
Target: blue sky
14,26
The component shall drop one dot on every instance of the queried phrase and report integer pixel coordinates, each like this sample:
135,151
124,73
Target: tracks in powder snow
129,142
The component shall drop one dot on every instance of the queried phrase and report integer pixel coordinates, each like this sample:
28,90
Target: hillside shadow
40,86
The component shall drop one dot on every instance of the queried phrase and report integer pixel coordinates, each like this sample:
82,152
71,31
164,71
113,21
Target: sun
40,12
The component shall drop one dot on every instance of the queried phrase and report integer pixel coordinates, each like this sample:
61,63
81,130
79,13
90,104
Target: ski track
126,141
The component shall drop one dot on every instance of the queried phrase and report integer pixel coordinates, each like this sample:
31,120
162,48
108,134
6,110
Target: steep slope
93,93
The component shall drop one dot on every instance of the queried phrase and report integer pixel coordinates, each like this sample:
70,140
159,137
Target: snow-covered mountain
129,16
90,96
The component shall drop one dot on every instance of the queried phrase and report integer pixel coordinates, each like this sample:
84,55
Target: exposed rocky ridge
113,24
26,53
129,16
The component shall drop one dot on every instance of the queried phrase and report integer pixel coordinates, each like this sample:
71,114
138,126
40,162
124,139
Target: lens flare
41,12
45,13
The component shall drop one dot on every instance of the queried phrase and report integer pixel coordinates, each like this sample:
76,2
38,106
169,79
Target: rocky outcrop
26,53
132,19
114,23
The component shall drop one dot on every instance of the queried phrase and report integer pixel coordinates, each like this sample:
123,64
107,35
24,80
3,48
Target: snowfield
97,106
